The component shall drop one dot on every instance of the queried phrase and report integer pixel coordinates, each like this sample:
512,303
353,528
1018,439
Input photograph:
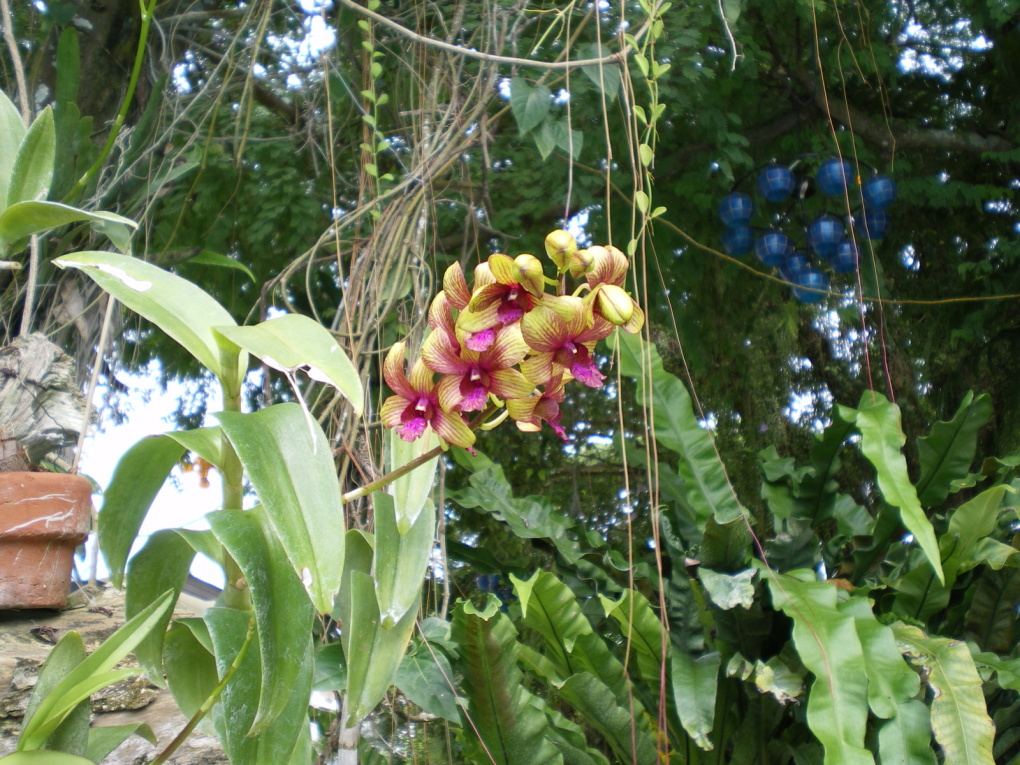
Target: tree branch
895,135
614,58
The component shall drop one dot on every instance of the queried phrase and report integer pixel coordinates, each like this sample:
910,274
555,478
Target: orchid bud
610,266
581,262
529,274
559,246
615,305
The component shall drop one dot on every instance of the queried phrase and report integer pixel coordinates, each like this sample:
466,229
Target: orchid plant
506,343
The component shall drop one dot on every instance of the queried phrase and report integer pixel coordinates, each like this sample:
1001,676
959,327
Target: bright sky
182,502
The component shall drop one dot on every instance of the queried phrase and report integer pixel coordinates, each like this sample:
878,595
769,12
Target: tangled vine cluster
505,342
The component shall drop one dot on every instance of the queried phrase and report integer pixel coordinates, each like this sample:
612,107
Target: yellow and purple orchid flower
415,403
562,339
470,376
517,285
544,406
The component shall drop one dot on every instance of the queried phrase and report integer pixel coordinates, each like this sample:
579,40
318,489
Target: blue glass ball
834,176
844,259
772,248
793,266
776,183
878,192
873,225
807,282
824,234
737,240
736,209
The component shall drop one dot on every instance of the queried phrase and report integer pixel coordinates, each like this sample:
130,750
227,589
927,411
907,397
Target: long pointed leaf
12,132
959,717
827,642
411,490
77,685
695,682
881,442
72,735
33,167
182,310
137,479
507,729
946,453
293,342
400,560
549,607
292,471
283,613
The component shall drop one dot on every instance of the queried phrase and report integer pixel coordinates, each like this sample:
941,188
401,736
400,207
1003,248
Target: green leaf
103,740
642,629
828,645
906,738
330,668
528,104
137,479
426,678
677,428
629,736
373,653
33,167
291,469
527,517
41,757
731,10
210,258
991,620
161,565
968,525
947,452
182,310
72,734
283,613
729,590
294,342
12,133
606,76
91,675
881,441
695,682
21,220
550,608
959,718
507,729
189,664
400,560
236,712
411,490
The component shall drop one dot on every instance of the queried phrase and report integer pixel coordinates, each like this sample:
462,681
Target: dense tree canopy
333,160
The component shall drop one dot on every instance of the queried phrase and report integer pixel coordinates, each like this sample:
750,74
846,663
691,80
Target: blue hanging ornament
834,176
776,183
772,248
844,259
737,240
736,209
809,282
873,224
824,234
878,192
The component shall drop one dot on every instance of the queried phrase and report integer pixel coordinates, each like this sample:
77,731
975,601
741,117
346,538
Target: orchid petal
440,355
529,274
420,379
393,372
473,321
504,270
455,286
544,330
510,384
507,350
448,393
539,368
452,429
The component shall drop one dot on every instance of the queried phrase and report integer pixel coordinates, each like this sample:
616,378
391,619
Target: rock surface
26,638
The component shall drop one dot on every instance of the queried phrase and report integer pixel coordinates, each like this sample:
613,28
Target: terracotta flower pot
43,517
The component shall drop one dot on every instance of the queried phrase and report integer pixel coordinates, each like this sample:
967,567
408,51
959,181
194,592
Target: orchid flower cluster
506,343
